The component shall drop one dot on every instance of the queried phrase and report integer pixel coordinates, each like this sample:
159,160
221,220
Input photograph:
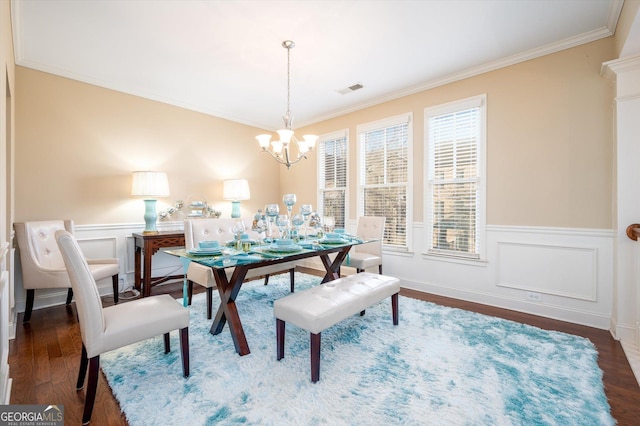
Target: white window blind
384,176
332,170
454,172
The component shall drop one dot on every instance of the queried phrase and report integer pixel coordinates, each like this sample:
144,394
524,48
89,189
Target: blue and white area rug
439,366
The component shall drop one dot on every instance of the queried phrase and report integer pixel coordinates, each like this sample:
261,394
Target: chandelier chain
288,79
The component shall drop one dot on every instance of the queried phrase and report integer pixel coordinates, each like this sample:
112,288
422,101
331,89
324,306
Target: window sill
456,259
397,252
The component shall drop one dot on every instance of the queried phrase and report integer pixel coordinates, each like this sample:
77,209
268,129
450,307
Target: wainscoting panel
561,271
99,247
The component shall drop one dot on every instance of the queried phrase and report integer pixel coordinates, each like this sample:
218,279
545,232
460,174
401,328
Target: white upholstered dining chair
42,265
106,329
221,230
368,255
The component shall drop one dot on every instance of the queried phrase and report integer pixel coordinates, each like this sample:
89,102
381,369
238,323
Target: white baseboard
560,313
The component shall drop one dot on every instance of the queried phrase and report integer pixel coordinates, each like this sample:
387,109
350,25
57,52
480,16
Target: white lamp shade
285,135
310,140
236,190
264,141
150,184
277,147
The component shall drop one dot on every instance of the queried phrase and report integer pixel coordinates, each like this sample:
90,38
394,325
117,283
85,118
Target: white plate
289,248
333,241
206,251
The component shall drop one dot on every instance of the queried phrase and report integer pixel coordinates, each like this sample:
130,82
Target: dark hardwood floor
44,359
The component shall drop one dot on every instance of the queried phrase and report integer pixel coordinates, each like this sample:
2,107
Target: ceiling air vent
350,89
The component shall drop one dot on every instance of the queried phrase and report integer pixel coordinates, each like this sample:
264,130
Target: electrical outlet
534,297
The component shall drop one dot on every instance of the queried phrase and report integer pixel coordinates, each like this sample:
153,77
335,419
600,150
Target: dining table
263,254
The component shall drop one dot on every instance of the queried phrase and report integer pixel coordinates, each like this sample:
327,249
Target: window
332,171
455,184
384,176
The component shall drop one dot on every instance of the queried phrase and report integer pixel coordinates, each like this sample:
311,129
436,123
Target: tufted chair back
42,264
213,229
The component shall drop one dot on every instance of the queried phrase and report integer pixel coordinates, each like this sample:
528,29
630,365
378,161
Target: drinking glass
329,223
289,200
282,222
226,256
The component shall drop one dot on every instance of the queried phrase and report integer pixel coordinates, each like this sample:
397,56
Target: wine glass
272,211
289,200
315,223
282,221
305,211
297,221
238,229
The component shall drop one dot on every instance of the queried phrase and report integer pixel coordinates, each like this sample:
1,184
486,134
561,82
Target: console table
149,244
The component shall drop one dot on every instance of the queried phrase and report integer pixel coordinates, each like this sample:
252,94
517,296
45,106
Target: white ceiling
225,58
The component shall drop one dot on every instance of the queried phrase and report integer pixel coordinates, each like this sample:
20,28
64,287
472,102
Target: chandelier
280,149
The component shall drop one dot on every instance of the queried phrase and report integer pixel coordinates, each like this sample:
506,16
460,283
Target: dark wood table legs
229,289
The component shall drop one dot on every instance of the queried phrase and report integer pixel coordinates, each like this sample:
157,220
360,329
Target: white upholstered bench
320,307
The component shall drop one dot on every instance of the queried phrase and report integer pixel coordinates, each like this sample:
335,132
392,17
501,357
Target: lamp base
150,217
235,209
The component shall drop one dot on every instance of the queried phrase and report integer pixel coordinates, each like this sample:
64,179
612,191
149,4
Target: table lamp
150,185
235,190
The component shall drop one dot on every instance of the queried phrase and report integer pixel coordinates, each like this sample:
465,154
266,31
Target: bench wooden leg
184,350
189,291
315,357
116,288
209,301
167,345
394,308
280,338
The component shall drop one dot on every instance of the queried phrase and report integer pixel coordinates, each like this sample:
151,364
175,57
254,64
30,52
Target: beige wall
549,140
549,146
78,144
